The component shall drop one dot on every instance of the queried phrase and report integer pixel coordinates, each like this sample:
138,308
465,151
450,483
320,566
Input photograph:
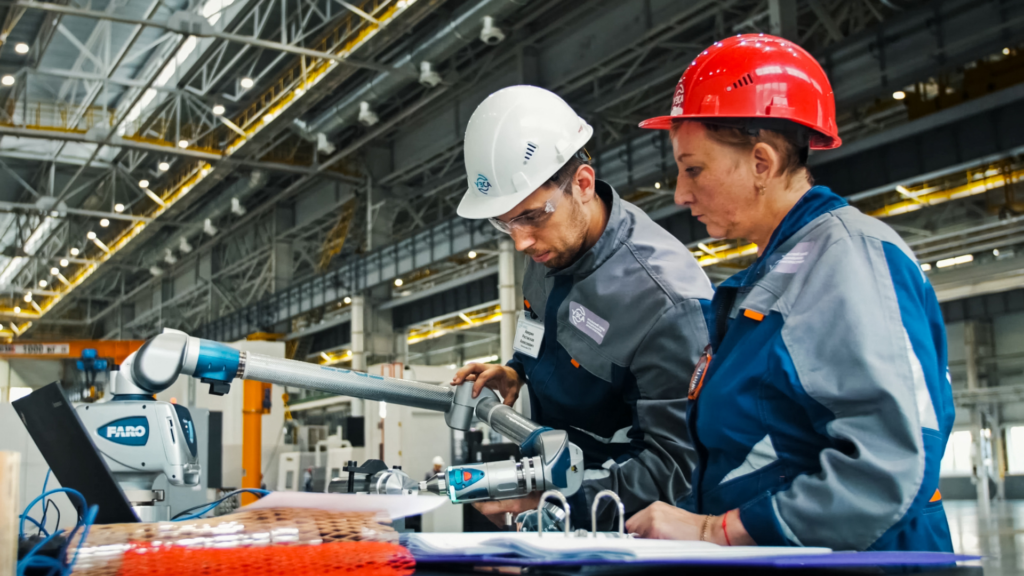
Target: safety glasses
534,219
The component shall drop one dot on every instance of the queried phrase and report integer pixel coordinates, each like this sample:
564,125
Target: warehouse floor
1000,539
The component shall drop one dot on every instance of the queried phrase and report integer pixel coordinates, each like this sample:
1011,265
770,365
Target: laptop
68,449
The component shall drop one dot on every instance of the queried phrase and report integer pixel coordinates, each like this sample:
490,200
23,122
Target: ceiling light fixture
90,235
398,282
246,82
7,80
347,300
118,207
183,143
954,261
104,222
74,251
42,283
143,183
472,254
64,262
17,309
21,48
218,109
163,166
899,95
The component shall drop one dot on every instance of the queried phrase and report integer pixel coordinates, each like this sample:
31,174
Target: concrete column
999,453
782,19
358,333
971,351
980,444
507,297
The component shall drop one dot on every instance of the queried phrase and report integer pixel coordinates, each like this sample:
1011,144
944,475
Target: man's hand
666,522
502,379
495,510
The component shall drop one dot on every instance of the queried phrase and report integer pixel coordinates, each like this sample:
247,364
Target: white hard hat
438,461
515,141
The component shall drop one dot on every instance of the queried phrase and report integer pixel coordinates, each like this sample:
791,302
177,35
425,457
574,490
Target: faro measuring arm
550,461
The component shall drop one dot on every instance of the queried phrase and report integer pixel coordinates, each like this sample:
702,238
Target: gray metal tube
506,421
346,382
462,30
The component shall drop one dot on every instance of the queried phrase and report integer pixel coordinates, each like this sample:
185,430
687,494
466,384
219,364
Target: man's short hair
568,170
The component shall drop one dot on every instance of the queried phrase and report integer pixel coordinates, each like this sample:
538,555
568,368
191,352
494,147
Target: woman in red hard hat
822,407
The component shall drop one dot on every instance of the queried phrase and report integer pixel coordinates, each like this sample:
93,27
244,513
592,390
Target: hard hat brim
477,206
820,142
659,122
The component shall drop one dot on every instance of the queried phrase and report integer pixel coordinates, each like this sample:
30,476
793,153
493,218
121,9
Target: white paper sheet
394,506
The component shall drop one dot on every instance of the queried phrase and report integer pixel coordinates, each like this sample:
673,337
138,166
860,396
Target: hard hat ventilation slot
745,80
530,149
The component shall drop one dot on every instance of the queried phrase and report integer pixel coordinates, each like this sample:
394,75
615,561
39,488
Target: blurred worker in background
615,306
438,466
823,406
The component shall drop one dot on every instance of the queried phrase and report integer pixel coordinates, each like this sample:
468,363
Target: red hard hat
756,77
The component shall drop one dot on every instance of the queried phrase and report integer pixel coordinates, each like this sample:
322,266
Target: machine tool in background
549,460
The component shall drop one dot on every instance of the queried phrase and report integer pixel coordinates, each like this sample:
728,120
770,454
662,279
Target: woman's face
716,181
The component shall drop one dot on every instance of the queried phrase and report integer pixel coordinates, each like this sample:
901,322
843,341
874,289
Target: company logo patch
483,184
587,322
132,431
793,259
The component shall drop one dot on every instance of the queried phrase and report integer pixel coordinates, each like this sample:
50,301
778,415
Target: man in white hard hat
615,305
438,466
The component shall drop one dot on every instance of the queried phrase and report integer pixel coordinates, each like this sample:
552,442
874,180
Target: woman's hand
502,379
666,522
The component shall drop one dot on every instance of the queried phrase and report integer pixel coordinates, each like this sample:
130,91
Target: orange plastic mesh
102,553
362,558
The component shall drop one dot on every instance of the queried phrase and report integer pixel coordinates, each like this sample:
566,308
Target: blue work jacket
827,404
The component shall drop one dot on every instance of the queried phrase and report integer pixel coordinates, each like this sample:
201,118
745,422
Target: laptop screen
62,439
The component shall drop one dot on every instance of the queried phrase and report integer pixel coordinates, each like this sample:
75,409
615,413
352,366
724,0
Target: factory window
1015,450
17,392
957,459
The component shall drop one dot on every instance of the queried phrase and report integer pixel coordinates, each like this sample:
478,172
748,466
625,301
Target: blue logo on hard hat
482,183
133,431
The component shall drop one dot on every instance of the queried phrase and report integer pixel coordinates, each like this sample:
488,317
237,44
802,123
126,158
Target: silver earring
762,189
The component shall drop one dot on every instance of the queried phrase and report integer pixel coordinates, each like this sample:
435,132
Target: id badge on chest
529,335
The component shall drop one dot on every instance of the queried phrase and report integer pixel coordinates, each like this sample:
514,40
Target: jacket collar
815,202
617,229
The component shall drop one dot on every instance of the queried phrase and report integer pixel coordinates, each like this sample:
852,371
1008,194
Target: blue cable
46,481
69,491
87,522
38,525
215,503
31,560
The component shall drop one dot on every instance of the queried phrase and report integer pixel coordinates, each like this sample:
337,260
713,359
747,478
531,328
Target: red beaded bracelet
724,531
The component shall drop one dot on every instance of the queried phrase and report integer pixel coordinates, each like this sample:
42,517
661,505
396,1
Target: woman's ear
766,160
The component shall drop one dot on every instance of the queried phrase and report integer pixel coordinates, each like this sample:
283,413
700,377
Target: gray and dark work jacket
623,328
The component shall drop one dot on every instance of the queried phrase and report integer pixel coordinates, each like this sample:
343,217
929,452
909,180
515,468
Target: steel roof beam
210,32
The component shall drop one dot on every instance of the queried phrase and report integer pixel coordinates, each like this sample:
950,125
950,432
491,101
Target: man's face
557,239
437,468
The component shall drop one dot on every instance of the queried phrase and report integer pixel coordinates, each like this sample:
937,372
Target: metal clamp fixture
618,504
540,510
